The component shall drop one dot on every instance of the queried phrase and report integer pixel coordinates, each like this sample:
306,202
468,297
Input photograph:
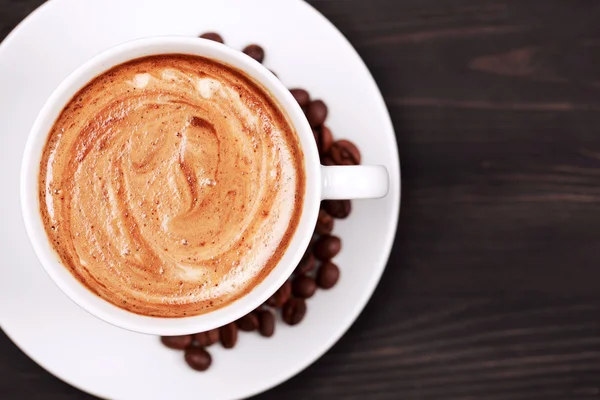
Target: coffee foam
171,185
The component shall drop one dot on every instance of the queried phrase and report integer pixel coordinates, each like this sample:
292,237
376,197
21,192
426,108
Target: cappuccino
171,185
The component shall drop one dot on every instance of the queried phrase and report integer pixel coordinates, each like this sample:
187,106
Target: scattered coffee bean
316,113
293,311
213,336
327,161
317,136
205,339
215,37
177,342
327,247
228,335
339,209
248,323
256,52
326,140
301,96
324,223
344,152
304,286
306,264
267,323
328,275
198,358
201,339
281,295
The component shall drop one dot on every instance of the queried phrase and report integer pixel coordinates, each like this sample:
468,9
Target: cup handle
354,182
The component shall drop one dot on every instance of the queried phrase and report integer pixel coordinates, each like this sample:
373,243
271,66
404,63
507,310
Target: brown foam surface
171,185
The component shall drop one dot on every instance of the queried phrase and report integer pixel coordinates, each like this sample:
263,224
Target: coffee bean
306,264
324,223
256,52
215,37
344,152
327,160
337,208
326,140
203,339
327,247
304,286
301,96
281,295
177,342
213,336
248,323
316,113
293,311
328,275
228,335
198,358
317,136
267,323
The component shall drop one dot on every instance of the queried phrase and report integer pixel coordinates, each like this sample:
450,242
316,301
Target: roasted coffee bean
248,323
293,311
228,335
306,264
198,358
344,152
267,323
324,223
317,136
327,247
177,342
281,295
325,140
301,96
256,52
215,37
304,286
328,275
213,336
339,209
327,160
316,113
201,339
205,339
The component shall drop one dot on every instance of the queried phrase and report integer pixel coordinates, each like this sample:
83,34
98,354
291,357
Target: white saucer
305,50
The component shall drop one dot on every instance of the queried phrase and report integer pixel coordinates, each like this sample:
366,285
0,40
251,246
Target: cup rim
29,195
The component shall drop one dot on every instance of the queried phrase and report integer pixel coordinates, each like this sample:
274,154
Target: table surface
493,287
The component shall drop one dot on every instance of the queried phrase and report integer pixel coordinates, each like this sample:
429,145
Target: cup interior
31,167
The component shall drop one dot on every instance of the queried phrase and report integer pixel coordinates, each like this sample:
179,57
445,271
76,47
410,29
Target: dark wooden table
493,288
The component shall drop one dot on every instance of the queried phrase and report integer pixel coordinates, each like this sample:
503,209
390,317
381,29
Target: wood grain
493,288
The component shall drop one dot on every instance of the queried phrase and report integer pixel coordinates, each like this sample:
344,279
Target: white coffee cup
347,182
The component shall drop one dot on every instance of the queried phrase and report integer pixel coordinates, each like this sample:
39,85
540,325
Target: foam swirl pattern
171,185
